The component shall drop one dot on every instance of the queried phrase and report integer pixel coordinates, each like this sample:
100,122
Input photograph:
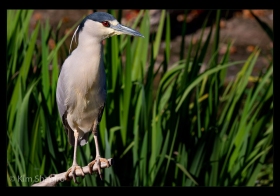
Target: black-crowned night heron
81,88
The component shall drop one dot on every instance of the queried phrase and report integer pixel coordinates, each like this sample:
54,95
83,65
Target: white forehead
114,22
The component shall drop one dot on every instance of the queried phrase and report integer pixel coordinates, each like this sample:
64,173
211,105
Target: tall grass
192,130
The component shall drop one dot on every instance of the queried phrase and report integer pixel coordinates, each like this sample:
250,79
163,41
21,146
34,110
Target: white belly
86,87
85,112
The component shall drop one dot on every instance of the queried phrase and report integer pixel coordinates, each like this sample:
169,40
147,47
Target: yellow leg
74,165
98,159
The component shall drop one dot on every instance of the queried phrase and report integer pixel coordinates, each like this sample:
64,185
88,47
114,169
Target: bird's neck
87,40
90,52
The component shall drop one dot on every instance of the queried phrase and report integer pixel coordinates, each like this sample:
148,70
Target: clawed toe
72,171
98,161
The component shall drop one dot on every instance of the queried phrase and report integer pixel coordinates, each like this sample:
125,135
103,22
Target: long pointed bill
125,30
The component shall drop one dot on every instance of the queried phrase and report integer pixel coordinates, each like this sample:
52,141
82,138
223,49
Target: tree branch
54,179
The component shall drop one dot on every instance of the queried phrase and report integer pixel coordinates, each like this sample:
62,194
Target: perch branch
54,179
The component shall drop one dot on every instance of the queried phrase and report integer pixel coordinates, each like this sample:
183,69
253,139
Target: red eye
105,23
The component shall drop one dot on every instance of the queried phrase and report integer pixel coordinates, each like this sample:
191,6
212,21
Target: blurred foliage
193,129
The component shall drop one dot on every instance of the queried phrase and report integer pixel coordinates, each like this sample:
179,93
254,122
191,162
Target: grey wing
100,112
60,95
62,108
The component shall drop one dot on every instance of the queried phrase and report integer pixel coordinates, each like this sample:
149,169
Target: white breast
86,87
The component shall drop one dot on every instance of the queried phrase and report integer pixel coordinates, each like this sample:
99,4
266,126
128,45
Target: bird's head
102,25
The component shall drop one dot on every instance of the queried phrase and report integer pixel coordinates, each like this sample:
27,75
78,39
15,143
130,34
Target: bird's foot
98,161
72,171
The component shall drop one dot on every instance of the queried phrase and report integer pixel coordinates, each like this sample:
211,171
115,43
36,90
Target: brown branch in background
54,179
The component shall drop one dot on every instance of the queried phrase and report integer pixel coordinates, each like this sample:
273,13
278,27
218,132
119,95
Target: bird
81,87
